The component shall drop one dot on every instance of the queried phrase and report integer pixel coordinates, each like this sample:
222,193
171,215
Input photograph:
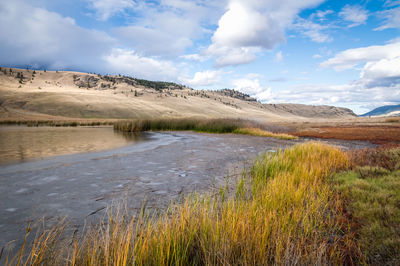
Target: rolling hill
32,94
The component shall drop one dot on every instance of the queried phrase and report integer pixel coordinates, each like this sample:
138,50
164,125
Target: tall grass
282,211
236,126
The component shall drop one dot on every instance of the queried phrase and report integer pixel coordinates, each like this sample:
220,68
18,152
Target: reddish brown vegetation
374,134
385,156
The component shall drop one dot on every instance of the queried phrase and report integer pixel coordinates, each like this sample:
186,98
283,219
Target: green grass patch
373,192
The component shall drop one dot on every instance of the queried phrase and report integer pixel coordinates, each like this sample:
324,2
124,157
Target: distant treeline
157,85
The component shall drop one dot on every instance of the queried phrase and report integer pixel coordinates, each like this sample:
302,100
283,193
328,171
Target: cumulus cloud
232,56
249,24
380,64
204,78
391,17
354,95
40,38
252,87
170,28
378,83
353,57
130,63
354,14
35,36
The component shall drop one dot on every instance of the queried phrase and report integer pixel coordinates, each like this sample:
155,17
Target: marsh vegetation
235,126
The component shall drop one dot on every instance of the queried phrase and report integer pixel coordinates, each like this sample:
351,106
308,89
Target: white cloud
378,84
204,78
321,15
232,56
129,63
354,95
392,19
352,57
380,64
279,56
35,36
195,57
249,24
107,8
316,56
312,30
252,87
355,14
169,28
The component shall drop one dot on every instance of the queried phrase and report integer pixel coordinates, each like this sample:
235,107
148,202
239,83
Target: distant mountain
387,110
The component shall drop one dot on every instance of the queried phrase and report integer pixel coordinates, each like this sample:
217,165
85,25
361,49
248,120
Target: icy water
21,143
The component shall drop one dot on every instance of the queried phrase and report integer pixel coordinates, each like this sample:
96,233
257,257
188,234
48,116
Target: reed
236,126
282,211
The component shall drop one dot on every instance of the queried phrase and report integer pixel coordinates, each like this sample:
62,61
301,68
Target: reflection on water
20,143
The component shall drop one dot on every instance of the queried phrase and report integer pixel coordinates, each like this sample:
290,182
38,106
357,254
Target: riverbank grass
235,126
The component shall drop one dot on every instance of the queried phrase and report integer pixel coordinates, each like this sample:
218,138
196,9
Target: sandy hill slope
28,94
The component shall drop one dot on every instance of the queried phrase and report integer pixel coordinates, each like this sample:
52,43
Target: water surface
21,143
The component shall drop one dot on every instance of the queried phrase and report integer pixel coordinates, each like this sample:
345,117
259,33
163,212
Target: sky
341,53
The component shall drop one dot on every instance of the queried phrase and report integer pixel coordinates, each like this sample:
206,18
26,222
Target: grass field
235,126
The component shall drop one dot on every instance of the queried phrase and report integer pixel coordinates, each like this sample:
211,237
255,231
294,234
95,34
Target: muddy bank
162,169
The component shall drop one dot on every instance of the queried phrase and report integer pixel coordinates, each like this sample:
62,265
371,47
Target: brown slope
50,94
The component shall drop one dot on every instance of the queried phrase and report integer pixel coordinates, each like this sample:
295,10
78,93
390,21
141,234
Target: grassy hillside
33,95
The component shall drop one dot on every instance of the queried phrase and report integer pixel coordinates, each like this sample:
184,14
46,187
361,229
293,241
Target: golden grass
282,211
235,126
263,133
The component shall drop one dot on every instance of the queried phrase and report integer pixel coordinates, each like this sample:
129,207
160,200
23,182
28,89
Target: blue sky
342,53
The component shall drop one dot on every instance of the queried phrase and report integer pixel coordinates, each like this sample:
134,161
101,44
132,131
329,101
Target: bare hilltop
32,94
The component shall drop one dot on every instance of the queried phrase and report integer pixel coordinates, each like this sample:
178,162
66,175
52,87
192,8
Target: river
156,167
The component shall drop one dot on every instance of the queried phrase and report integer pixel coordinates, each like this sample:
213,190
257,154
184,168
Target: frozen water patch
21,190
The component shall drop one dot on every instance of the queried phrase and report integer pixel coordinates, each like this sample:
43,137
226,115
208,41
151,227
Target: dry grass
393,120
263,133
236,126
283,211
